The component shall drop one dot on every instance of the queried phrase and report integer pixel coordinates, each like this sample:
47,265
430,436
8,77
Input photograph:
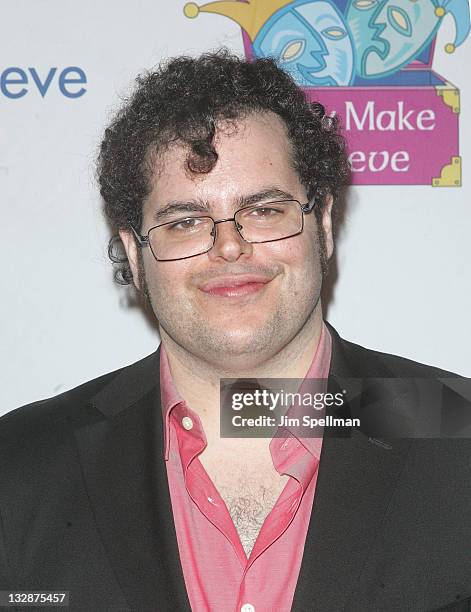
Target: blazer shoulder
363,361
397,365
39,418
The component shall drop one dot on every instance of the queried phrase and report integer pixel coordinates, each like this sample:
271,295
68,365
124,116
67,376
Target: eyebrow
185,206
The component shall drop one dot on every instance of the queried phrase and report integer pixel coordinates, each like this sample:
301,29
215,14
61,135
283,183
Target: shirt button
247,608
187,423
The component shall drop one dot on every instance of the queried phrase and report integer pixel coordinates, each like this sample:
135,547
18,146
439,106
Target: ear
130,246
327,226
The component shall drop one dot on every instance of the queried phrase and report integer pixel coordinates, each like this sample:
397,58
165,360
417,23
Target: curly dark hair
182,101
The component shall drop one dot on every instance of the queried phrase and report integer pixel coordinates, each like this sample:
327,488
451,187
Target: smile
231,291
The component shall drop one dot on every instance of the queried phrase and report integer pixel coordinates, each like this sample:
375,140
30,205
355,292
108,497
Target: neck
197,379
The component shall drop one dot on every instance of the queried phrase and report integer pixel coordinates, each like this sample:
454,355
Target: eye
364,5
334,33
399,20
265,211
183,225
292,50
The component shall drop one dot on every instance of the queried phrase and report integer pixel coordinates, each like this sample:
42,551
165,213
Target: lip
235,286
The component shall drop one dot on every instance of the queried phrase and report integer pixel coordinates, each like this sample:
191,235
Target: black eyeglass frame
143,240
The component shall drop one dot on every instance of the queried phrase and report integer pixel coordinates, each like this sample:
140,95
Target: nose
229,244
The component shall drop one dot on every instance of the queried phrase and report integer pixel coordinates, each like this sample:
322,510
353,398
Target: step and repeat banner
395,71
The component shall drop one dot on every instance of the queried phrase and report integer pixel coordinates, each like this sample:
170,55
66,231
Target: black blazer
85,506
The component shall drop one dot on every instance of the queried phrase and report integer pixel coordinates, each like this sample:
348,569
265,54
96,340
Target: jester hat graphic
319,46
308,38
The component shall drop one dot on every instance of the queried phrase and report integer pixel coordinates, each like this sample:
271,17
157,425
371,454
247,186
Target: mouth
239,290
233,287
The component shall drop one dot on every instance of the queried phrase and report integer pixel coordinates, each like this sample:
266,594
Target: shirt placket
199,485
289,456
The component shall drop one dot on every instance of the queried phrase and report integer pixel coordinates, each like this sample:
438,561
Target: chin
243,342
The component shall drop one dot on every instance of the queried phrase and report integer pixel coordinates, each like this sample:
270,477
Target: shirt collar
319,369
170,397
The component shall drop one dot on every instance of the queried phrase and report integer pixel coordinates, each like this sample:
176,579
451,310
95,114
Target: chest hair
249,496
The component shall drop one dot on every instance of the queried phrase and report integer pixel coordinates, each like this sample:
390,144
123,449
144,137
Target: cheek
297,251
159,277
169,284
301,263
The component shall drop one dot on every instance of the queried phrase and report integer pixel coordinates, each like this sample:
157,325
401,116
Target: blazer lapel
120,449
120,441
355,481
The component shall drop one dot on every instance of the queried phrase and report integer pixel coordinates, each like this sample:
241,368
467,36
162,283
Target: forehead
252,152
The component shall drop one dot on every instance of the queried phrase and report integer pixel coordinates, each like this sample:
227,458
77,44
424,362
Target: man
221,183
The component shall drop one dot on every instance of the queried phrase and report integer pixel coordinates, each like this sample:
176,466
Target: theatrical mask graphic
389,34
321,44
310,41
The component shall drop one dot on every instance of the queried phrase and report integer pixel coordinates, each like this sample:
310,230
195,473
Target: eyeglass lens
189,236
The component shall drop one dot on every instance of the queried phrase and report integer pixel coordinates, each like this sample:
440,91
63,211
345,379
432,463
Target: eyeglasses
191,236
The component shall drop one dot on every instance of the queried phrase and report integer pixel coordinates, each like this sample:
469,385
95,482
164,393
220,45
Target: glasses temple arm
142,241
307,208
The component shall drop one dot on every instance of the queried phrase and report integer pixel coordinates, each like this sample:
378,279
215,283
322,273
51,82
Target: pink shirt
218,575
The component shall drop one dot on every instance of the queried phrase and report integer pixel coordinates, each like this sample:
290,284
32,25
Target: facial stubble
192,331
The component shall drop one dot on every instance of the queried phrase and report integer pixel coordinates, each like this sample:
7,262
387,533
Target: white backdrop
403,256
